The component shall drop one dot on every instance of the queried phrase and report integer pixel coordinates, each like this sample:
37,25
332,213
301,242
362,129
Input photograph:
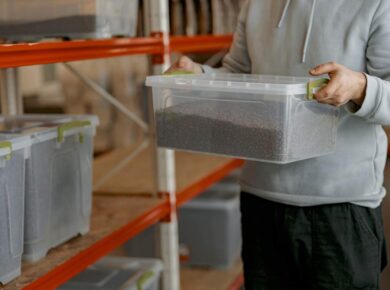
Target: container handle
143,279
314,86
69,126
7,145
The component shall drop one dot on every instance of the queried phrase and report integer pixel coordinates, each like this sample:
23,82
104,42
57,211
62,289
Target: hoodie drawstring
309,29
285,9
308,33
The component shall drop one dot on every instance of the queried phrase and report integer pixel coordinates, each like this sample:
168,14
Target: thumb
185,63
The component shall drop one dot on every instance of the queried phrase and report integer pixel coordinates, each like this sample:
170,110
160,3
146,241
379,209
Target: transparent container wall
58,194
67,18
313,129
273,128
210,230
11,216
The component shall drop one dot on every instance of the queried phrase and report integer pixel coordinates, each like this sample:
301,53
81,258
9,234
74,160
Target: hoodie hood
309,28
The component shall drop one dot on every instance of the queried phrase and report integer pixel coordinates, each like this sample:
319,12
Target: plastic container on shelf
225,187
144,245
13,152
58,179
112,273
210,229
26,20
253,117
223,197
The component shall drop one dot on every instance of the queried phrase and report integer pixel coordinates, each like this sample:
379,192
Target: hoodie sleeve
376,106
237,60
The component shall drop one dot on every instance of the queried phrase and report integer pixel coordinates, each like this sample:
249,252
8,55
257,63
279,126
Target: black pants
329,247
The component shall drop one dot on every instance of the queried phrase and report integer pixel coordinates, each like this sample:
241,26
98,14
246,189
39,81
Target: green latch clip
143,279
315,86
7,145
69,126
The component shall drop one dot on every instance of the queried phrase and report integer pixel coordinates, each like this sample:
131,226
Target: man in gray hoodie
317,223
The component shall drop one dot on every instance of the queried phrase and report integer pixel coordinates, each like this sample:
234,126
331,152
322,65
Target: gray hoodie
289,37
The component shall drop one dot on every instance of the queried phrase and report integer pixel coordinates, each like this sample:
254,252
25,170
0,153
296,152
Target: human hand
345,85
185,64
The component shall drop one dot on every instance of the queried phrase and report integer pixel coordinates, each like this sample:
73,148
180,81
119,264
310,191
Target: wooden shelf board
210,279
195,172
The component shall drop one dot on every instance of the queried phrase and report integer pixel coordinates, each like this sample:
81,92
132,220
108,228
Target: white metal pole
157,15
11,99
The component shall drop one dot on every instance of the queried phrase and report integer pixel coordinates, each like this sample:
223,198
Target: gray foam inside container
227,129
268,131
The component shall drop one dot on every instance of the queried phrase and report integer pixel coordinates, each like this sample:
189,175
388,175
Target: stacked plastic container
13,152
58,179
26,20
209,228
113,273
144,245
262,118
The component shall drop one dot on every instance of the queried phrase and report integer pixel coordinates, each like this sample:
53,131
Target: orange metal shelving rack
26,54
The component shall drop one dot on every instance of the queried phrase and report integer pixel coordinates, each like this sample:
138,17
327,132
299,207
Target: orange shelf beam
25,54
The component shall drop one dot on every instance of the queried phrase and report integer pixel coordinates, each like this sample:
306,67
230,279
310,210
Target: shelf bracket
108,97
124,110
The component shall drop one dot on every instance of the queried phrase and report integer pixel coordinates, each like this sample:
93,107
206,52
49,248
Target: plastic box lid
12,142
243,83
47,127
117,273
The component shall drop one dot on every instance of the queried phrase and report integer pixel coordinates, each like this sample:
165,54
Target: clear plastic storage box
210,229
30,20
113,273
145,245
58,178
13,152
263,118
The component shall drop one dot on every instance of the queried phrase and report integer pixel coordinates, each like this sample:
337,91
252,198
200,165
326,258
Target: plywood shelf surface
194,173
211,279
